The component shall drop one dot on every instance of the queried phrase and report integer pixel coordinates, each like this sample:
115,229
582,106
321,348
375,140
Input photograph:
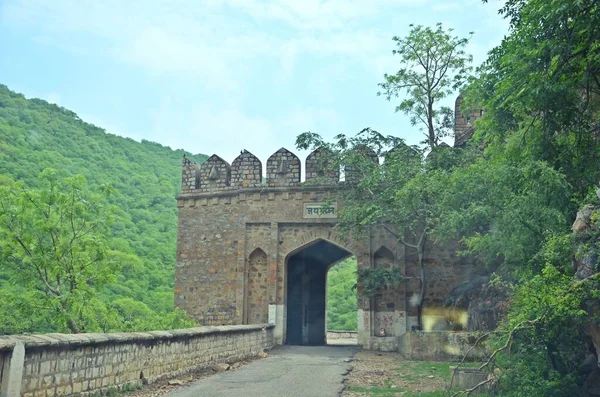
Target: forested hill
35,135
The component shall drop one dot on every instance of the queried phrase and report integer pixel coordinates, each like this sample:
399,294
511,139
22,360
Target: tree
504,210
541,95
55,242
35,135
397,195
341,297
540,88
433,66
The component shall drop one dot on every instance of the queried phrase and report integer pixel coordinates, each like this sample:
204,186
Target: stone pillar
275,307
13,374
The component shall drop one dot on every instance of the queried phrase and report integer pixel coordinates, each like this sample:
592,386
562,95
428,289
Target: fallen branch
474,388
467,354
518,327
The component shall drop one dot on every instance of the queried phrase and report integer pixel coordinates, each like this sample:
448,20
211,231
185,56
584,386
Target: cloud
233,74
53,97
209,38
319,14
203,128
443,7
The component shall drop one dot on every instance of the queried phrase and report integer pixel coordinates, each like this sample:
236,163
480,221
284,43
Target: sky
219,76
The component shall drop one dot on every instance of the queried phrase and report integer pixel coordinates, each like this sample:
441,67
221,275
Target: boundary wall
443,346
85,364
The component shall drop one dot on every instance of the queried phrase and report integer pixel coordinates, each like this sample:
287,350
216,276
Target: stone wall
218,239
444,270
440,346
60,364
341,335
235,239
464,123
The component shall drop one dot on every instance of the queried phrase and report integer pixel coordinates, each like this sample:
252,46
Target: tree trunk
430,129
421,252
73,327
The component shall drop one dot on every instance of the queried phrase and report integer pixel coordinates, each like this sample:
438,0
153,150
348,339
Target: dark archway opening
306,292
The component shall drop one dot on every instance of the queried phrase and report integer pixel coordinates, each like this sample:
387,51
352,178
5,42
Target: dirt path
314,371
291,371
388,374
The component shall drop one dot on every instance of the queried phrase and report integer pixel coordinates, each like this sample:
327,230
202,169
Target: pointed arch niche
384,257
257,308
387,301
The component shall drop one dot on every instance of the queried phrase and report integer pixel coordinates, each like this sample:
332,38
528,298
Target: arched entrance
306,291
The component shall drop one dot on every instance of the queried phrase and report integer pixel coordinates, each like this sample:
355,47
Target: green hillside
35,135
341,296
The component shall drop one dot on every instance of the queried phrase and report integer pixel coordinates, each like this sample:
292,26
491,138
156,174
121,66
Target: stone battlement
284,170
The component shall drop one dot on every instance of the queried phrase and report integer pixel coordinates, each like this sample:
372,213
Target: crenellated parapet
352,172
190,175
215,173
246,170
319,168
283,170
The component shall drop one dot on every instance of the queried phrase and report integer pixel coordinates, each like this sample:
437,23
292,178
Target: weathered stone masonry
238,234
59,364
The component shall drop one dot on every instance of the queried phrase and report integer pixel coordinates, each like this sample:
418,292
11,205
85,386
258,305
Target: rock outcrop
586,264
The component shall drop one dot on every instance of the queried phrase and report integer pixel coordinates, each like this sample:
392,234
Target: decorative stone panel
246,170
258,283
283,169
385,300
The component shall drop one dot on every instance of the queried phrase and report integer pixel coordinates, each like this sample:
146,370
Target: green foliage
374,280
544,330
541,95
380,193
540,88
433,64
144,179
341,296
547,321
511,197
400,196
504,210
53,242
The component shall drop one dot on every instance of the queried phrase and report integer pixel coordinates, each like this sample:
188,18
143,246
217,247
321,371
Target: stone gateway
253,250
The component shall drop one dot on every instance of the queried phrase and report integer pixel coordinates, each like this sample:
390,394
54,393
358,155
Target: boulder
220,367
583,218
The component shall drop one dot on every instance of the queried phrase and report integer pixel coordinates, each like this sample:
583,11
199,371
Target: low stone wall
341,334
61,364
440,346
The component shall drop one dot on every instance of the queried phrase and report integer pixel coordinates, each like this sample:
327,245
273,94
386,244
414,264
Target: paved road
289,371
342,341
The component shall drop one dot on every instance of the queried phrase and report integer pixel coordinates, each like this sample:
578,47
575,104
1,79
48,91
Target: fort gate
253,250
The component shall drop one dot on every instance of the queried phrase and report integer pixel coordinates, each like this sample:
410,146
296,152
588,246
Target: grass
391,375
380,391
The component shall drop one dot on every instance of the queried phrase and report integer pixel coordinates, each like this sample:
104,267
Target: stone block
468,378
